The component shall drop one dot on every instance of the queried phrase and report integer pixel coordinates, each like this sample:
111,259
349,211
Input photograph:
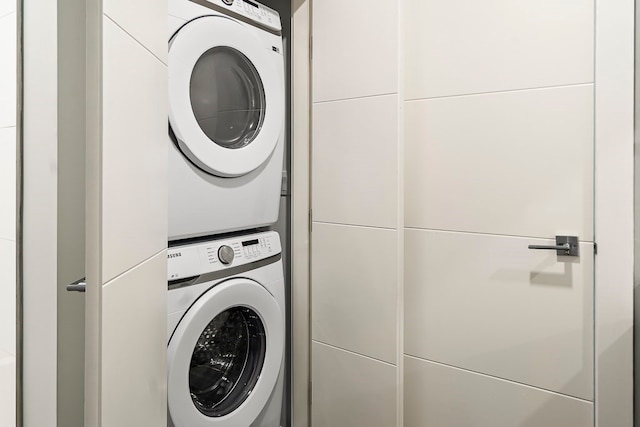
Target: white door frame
614,216
38,243
300,215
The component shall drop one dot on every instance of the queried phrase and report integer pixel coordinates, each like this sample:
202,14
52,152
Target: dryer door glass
227,361
227,97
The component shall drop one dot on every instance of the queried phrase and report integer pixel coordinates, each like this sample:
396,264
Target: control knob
225,254
228,2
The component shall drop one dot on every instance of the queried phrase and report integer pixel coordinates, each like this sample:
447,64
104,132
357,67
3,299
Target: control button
225,254
228,2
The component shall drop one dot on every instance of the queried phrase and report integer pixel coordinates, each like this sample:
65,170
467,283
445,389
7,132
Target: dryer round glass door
226,96
224,356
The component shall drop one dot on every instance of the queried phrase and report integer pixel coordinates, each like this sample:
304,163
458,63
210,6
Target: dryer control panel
249,9
207,257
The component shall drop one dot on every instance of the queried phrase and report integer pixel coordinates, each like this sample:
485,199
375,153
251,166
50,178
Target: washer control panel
250,9
215,255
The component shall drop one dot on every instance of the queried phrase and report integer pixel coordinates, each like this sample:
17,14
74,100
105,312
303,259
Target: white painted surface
507,46
39,244
134,345
466,46
351,390
614,190
354,48
7,6
354,293
355,186
126,225
8,119
143,21
135,152
516,163
438,395
8,82
300,216
488,304
356,161
8,183
7,297
7,390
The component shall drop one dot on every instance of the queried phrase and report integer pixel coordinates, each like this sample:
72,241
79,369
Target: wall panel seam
134,39
354,98
7,14
478,233
343,224
497,92
470,371
355,353
145,261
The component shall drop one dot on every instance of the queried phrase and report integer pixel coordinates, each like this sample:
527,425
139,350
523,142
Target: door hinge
310,220
595,248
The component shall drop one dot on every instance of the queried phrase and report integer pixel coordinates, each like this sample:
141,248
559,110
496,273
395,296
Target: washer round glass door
226,96
224,356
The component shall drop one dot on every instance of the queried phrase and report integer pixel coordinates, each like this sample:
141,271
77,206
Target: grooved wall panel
489,304
135,153
355,157
354,292
354,49
437,395
461,47
350,390
511,163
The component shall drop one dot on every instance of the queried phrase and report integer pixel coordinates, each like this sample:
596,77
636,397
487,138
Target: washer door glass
227,97
227,361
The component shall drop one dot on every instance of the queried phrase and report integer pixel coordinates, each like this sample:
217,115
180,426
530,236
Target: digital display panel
250,242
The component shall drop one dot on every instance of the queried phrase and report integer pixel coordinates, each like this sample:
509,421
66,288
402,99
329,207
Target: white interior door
499,157
125,381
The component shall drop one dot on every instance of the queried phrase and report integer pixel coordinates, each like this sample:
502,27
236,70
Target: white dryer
226,116
226,312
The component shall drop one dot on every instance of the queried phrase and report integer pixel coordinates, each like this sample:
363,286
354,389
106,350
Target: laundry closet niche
94,180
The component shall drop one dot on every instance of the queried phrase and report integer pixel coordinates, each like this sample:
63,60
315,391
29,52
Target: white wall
8,41
370,91
357,222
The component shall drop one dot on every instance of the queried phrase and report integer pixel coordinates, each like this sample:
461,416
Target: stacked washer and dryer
226,301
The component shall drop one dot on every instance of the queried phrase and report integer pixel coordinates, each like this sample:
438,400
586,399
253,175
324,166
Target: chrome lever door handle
78,286
565,246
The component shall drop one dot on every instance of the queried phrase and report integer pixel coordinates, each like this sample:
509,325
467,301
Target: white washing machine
226,116
226,312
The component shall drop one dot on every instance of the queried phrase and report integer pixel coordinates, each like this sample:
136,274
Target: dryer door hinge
310,220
